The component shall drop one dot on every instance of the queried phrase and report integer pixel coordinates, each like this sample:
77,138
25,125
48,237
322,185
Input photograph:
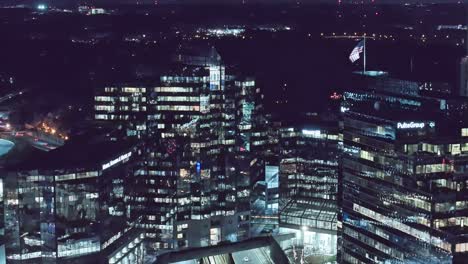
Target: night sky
110,2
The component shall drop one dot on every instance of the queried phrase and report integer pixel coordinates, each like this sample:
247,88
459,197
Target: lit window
464,132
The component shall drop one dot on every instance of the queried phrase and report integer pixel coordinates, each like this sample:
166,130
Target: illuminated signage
117,160
410,125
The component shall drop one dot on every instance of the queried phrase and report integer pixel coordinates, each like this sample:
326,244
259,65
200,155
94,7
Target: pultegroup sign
410,125
414,125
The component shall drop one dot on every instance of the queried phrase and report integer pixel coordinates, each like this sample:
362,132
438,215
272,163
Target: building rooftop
256,250
318,215
372,73
199,55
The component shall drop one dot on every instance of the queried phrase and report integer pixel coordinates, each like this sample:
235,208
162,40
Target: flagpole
411,64
365,58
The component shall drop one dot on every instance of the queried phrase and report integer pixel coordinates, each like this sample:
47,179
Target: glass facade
191,187
67,212
309,164
126,106
308,184
402,177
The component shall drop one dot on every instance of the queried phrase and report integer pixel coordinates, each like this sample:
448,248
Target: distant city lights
219,32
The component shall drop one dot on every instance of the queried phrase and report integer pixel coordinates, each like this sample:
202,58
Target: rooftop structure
256,250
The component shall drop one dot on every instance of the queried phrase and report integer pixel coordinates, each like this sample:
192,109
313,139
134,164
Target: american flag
354,56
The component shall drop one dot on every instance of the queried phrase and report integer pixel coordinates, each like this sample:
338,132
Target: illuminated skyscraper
403,178
192,188
309,159
67,206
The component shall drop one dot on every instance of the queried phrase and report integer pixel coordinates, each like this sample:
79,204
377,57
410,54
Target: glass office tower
403,178
265,183
308,181
67,206
192,187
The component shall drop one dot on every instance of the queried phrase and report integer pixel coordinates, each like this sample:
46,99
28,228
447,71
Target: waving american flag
354,56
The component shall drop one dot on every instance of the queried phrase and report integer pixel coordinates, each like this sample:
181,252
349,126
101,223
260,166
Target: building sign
411,125
117,160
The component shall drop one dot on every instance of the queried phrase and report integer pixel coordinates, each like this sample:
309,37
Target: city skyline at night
234,132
